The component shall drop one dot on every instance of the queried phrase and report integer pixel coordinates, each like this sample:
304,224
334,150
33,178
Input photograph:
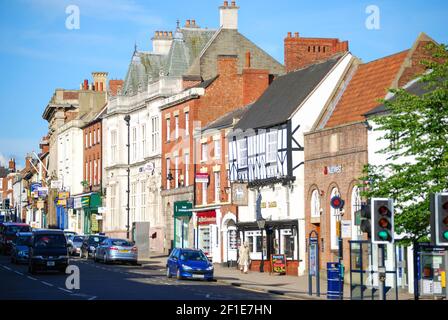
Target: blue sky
38,53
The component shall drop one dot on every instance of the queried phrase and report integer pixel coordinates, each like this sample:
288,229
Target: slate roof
285,95
415,87
226,120
370,82
147,66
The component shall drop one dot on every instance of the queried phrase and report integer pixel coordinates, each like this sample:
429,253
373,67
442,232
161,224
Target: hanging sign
202,178
56,184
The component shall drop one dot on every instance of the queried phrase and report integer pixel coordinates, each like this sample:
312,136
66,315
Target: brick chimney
301,52
115,86
255,81
99,80
161,42
227,65
12,165
229,15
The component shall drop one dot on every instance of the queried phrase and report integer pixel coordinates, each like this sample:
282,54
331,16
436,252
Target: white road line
7,268
19,273
94,297
31,278
64,290
47,284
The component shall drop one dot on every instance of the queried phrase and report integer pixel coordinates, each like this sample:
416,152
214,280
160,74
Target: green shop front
87,207
182,218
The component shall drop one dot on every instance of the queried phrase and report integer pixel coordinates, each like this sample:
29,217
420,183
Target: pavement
288,287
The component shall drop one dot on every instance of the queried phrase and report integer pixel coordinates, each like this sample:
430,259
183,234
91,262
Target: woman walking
244,257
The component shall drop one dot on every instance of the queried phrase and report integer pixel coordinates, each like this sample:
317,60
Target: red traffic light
445,206
383,222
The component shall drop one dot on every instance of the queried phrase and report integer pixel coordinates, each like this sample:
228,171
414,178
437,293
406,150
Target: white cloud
3,160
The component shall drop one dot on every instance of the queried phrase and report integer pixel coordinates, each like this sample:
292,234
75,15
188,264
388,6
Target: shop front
278,237
182,219
207,234
90,204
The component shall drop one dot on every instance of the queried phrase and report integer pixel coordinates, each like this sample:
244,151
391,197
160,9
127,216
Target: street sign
56,184
336,202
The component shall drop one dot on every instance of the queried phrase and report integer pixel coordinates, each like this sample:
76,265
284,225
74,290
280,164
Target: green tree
416,129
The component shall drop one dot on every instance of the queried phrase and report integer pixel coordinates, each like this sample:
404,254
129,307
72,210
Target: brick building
336,149
182,116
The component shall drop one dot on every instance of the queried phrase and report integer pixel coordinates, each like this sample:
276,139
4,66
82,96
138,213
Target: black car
48,251
90,244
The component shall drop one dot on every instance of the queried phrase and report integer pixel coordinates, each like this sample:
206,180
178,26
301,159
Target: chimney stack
247,60
12,165
229,16
188,23
100,80
86,84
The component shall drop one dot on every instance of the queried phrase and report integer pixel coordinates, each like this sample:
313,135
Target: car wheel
178,276
168,273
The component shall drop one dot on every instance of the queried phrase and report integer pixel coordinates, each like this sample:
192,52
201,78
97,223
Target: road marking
7,268
19,273
64,290
92,298
31,278
47,284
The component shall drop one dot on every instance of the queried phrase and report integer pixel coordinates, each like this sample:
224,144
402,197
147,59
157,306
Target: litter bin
334,281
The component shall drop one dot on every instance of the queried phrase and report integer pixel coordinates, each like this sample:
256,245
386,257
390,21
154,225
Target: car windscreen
23,240
96,240
78,239
122,243
50,241
14,229
193,256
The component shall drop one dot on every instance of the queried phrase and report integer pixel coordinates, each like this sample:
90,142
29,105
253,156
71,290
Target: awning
276,224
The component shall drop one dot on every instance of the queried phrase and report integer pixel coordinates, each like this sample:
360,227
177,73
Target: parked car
70,233
112,250
48,251
90,244
20,247
189,263
74,243
8,234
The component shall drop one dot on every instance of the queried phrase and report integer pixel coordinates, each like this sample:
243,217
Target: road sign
336,202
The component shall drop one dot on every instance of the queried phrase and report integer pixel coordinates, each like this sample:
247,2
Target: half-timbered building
266,152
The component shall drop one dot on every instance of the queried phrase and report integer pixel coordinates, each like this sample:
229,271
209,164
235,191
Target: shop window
315,204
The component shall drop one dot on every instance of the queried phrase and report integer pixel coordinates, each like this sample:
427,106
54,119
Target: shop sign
62,202
42,192
202,178
77,203
56,184
263,205
239,194
63,195
208,217
278,263
85,202
272,204
346,229
183,208
34,188
333,169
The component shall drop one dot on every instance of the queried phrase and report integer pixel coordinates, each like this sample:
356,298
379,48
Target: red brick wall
291,267
92,153
352,155
255,82
300,52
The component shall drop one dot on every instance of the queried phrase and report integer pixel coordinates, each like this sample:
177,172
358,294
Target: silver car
112,250
74,245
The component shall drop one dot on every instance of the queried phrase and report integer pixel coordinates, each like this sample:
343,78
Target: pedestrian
244,257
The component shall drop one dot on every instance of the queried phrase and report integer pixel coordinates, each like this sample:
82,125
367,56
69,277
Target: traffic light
365,215
439,218
382,220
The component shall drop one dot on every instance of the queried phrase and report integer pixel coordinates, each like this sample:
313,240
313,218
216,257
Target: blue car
189,263
20,247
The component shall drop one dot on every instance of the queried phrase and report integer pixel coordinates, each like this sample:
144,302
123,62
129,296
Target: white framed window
99,135
154,133
176,172
186,174
187,123
217,149
91,173
134,144
315,204
144,140
217,187
168,129
99,170
356,206
204,148
86,173
242,153
94,137
95,172
87,141
90,138
168,182
113,146
204,193
133,203
271,147
176,127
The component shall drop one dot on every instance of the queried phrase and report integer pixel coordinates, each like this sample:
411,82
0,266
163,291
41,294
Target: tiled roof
370,83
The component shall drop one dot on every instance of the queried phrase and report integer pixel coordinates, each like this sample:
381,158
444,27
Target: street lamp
127,118
261,224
